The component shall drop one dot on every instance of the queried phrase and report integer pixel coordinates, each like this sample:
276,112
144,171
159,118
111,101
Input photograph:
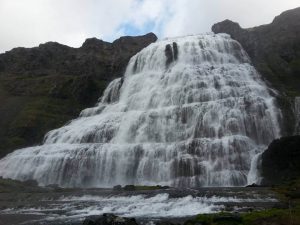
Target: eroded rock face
171,52
280,162
42,88
275,51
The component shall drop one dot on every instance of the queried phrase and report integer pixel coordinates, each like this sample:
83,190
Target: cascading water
297,115
190,111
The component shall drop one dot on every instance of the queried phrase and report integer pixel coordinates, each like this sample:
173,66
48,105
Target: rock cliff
280,162
41,88
275,51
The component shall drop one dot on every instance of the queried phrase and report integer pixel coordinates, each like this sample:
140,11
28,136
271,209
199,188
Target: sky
27,23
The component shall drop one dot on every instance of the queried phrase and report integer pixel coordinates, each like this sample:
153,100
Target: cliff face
280,162
275,51
42,88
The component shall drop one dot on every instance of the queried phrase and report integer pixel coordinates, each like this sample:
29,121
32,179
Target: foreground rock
42,88
280,162
109,219
275,51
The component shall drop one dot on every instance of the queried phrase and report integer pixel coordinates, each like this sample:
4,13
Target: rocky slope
275,51
42,88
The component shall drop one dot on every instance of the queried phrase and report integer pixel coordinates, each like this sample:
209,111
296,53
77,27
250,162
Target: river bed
71,206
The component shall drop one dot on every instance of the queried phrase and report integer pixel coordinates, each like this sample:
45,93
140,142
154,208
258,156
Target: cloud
198,16
30,22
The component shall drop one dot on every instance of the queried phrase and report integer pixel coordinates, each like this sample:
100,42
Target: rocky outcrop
109,219
297,115
42,88
171,52
275,51
280,162
94,58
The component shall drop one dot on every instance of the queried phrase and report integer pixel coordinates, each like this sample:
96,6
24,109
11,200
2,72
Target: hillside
42,88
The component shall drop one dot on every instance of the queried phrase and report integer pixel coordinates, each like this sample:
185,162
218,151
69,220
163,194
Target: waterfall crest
190,111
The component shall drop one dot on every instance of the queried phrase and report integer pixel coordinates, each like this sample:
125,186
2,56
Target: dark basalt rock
109,219
280,162
42,88
253,185
171,52
275,52
117,188
175,50
129,188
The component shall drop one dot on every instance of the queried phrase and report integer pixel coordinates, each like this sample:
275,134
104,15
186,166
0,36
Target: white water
138,206
198,121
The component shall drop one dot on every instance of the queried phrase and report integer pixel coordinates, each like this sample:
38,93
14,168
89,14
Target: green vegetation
295,66
31,106
271,216
289,193
9,185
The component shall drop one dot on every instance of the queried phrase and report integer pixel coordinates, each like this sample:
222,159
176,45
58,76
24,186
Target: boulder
109,219
280,162
129,188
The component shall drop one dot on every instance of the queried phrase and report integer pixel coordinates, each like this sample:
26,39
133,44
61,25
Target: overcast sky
27,23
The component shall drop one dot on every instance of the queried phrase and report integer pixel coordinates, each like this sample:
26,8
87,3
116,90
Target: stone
117,188
129,188
281,158
109,219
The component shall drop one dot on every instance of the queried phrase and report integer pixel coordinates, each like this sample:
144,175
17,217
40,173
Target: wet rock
54,186
109,219
129,188
31,183
228,219
165,222
175,50
162,187
117,188
169,54
253,185
280,162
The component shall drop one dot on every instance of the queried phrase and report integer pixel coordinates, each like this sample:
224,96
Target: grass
265,217
288,193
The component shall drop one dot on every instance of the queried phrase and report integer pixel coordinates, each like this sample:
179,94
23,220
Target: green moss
288,193
39,115
40,104
271,216
216,219
249,218
15,141
9,185
295,66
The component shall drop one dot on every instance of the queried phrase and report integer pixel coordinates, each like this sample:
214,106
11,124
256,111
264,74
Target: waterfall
189,111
